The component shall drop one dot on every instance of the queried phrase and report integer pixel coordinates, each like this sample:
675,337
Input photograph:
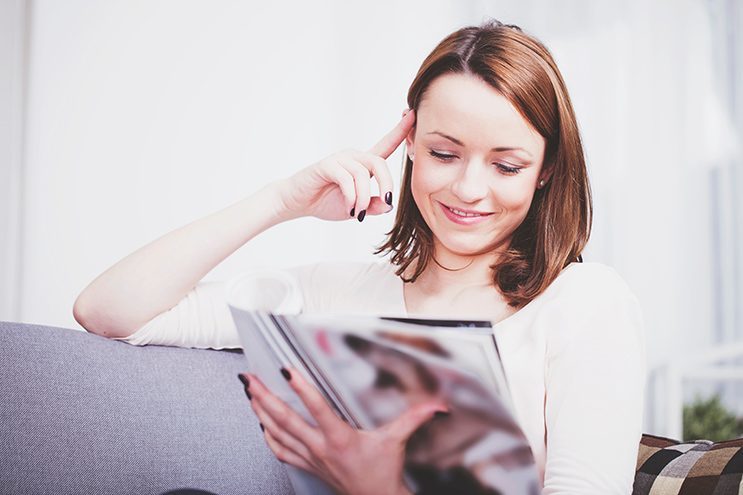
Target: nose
471,184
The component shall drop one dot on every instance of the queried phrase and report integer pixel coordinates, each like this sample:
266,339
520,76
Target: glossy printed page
379,368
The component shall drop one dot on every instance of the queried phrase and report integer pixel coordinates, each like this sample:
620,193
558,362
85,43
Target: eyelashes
441,156
506,169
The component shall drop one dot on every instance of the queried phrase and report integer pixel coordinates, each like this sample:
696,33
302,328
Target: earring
541,183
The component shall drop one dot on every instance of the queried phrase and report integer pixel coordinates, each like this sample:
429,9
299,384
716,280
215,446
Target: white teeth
463,214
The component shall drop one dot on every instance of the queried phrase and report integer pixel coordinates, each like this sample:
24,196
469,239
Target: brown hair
558,224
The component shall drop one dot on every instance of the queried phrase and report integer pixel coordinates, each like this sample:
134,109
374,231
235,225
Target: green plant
709,420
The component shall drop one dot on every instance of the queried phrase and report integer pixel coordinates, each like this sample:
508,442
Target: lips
463,216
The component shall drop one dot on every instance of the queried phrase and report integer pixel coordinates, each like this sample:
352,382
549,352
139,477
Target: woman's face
476,165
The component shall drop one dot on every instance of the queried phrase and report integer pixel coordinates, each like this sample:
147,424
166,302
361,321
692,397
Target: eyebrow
459,143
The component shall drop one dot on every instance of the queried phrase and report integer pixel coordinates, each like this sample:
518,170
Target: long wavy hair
558,224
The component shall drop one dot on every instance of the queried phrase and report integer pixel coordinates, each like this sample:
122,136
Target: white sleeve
595,387
201,319
347,287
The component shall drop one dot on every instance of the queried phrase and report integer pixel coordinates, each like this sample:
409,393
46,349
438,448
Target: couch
83,414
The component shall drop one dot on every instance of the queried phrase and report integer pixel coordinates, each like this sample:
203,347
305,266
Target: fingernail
244,380
388,198
263,428
247,392
353,210
441,414
362,214
286,374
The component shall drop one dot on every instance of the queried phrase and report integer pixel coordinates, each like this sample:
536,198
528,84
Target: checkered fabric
669,467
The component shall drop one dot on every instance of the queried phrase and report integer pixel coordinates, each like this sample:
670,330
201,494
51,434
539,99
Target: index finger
389,143
326,419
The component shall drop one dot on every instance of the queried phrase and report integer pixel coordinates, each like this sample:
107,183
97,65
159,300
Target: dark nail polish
247,392
244,379
286,374
263,428
362,214
388,198
441,414
353,210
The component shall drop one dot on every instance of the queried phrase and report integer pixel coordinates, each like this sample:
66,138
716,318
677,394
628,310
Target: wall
13,51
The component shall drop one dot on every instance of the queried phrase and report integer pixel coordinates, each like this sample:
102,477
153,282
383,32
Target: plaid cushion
669,467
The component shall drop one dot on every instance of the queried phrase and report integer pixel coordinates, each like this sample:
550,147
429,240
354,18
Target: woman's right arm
157,276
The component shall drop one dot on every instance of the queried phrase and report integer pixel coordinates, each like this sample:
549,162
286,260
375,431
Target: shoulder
591,303
589,283
592,273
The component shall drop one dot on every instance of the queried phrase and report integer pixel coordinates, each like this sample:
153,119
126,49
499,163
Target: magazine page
379,368
250,295
463,344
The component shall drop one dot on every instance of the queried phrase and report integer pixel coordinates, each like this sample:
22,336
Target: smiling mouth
465,213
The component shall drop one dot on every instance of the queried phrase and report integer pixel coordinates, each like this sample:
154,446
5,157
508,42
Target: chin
470,244
465,247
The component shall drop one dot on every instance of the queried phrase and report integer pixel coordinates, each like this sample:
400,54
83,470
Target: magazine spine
313,372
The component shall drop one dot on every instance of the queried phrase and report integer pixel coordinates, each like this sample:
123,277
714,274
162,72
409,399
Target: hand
351,461
338,186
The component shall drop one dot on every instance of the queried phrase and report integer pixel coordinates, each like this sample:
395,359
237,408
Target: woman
493,214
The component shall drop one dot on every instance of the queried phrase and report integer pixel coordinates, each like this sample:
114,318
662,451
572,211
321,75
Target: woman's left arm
595,387
352,461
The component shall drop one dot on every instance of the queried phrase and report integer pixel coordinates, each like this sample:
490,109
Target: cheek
426,179
514,197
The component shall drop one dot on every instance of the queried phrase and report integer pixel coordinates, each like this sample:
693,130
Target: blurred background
123,120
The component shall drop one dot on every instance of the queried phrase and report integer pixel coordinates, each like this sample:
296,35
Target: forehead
466,107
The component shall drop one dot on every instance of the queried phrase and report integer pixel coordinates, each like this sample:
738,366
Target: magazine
371,369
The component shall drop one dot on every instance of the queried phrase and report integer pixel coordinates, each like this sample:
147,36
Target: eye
507,169
441,156
385,379
444,157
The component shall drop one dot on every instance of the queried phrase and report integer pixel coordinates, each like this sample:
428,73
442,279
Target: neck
450,271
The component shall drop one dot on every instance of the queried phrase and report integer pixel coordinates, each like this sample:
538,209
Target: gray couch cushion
83,414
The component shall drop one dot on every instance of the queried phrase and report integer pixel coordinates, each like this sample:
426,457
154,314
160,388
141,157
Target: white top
574,358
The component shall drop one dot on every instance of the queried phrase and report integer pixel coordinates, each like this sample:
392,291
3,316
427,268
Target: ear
545,175
410,143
